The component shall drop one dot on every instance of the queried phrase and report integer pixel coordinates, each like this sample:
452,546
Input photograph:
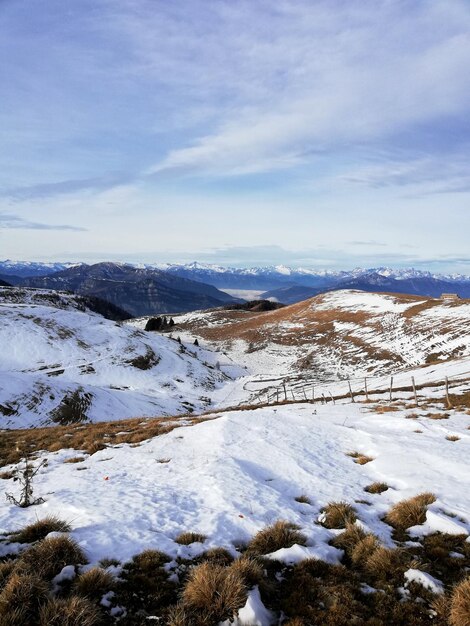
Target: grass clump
383,563
214,592
21,598
217,555
348,539
410,512
186,538
75,459
338,515
360,459
303,499
460,604
279,535
453,438
94,583
72,611
48,557
40,529
248,569
376,487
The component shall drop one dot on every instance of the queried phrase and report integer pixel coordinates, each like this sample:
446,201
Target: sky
326,134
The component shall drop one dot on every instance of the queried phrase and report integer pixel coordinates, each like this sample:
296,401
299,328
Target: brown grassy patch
364,549
75,459
69,612
6,569
384,563
48,557
437,416
217,555
453,438
303,499
338,515
349,538
460,604
6,475
384,408
40,529
20,599
94,583
360,459
86,437
410,512
215,592
249,570
186,538
279,535
376,487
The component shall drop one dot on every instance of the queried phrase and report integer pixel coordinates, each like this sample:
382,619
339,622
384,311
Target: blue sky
329,133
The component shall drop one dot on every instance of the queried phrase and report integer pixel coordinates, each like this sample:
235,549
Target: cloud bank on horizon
312,132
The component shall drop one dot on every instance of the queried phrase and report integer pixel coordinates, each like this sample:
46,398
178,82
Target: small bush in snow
281,534
186,538
376,488
410,512
338,515
94,583
40,529
48,557
20,599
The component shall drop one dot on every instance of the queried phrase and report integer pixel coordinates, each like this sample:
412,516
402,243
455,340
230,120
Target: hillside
225,478
138,291
335,335
62,364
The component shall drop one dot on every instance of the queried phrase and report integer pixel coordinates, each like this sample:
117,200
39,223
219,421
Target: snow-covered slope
337,335
61,364
230,476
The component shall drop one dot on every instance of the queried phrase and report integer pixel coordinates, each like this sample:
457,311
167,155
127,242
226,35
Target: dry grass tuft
48,557
72,611
453,438
349,538
384,563
338,515
214,591
149,560
75,459
363,550
40,529
376,488
303,499
360,459
437,416
410,512
6,569
94,583
6,475
186,538
296,621
279,535
20,599
217,555
249,570
460,604
179,616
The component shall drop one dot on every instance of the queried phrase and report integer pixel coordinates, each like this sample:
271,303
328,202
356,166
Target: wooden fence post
414,390
305,395
391,388
323,401
350,391
334,402
366,390
449,404
285,391
292,392
313,393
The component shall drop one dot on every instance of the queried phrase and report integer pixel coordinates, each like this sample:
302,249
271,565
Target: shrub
338,515
279,535
376,488
214,591
20,599
460,604
185,539
48,557
94,583
40,529
69,612
410,512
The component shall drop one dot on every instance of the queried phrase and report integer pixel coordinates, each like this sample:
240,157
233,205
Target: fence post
313,393
334,401
305,395
366,390
350,391
292,392
449,404
285,391
414,390
391,388
323,401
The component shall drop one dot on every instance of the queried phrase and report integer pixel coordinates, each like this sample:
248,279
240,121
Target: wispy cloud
9,221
